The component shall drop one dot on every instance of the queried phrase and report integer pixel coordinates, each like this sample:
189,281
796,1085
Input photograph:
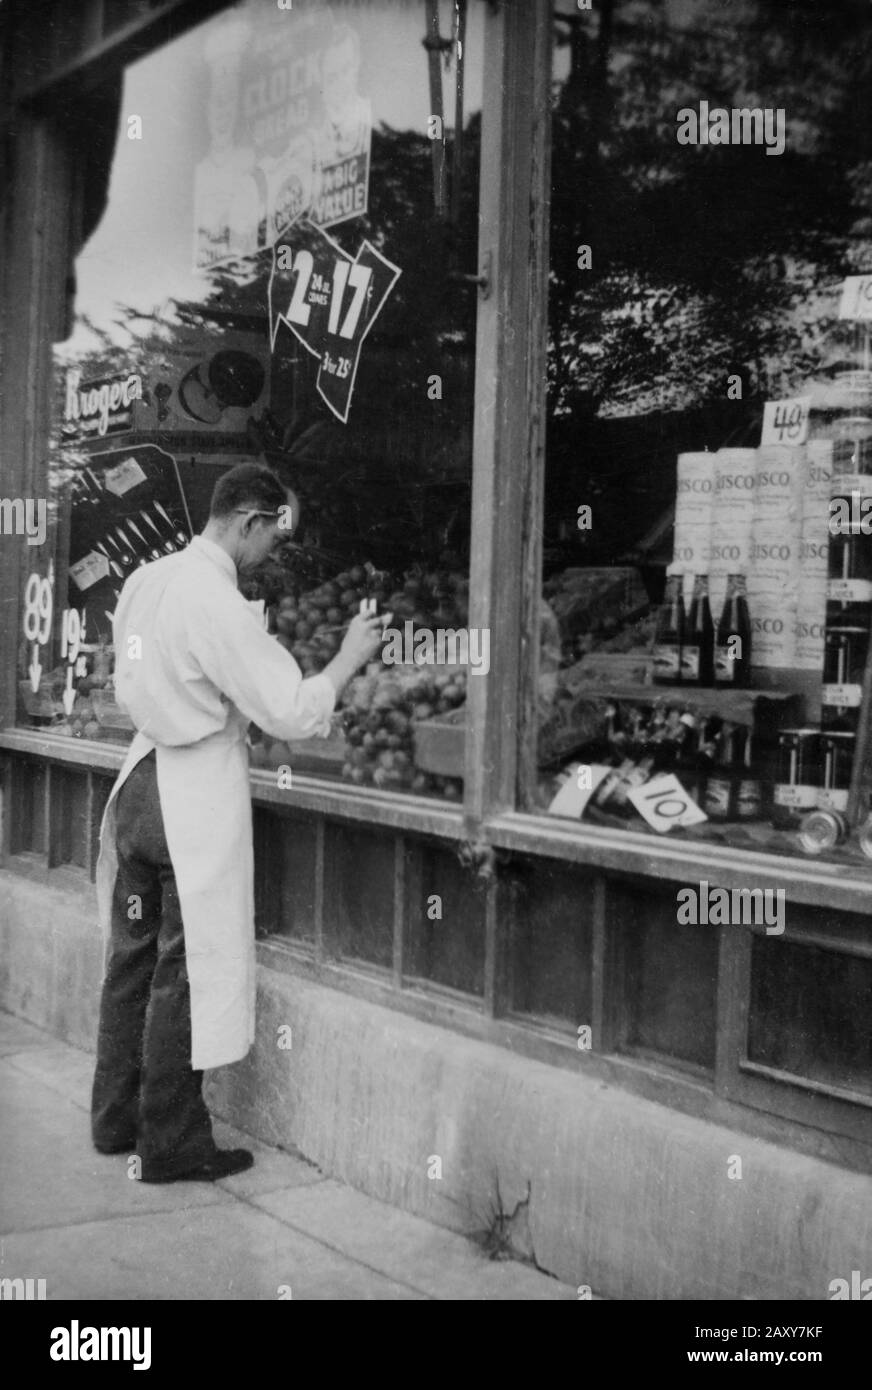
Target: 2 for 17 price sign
329,301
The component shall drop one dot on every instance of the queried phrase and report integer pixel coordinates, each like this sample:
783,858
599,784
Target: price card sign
856,301
125,475
329,302
90,569
664,803
785,422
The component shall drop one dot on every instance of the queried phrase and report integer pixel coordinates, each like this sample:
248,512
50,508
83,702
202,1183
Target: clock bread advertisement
286,131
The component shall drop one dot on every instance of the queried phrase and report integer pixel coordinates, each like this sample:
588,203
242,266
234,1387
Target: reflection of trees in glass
395,481
706,260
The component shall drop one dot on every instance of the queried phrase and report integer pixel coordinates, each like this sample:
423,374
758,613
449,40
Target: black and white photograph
435,665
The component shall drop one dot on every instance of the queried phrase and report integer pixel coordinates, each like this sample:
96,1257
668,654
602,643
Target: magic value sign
329,301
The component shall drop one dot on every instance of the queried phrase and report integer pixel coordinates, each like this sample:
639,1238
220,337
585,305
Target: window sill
418,814
818,883
815,882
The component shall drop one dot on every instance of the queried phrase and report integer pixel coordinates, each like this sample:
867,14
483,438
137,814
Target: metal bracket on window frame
483,279
483,859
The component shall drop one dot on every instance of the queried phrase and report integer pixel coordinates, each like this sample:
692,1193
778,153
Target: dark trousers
146,1096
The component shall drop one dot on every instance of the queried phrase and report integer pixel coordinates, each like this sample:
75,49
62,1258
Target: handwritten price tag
785,422
89,570
856,301
664,803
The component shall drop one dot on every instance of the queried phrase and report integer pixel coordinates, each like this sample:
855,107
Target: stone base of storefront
599,1187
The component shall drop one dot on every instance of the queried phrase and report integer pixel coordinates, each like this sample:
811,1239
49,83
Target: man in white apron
175,877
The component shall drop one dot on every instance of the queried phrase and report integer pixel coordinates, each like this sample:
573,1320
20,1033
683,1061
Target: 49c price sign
329,301
785,422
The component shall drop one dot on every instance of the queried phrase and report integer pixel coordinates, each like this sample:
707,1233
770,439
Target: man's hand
359,645
363,638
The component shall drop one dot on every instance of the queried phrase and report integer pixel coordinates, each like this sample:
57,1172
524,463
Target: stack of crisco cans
694,493
732,518
773,578
811,597
764,513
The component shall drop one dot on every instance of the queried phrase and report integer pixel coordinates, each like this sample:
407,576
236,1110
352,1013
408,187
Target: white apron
206,804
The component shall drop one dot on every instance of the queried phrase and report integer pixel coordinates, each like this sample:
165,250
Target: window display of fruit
378,711
381,710
311,623
80,723
93,713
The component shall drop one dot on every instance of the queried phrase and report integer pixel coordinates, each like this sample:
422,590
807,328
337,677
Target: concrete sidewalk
73,1217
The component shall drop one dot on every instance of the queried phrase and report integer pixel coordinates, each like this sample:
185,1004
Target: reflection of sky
142,252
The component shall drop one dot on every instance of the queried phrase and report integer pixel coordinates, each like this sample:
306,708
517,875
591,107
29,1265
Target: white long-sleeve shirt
204,658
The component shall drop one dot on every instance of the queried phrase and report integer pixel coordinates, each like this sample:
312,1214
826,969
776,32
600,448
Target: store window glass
278,275
707,576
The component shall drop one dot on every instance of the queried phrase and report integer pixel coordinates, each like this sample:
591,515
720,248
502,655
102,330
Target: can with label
822,830
695,488
779,479
814,540
845,650
837,761
849,573
798,777
849,583
773,586
731,519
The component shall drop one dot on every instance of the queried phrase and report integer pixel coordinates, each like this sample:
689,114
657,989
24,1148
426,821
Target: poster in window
127,509
287,131
329,301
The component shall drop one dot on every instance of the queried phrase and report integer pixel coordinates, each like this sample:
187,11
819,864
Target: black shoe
223,1164
128,1148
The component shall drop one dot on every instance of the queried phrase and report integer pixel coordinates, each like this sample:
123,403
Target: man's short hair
248,485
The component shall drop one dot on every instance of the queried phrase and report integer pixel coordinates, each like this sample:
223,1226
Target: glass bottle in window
697,653
732,663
